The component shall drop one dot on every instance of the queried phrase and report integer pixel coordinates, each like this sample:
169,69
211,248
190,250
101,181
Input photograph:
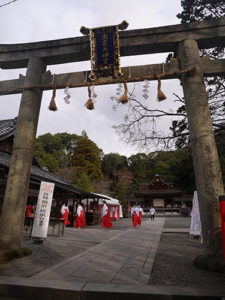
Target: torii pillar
13,210
207,171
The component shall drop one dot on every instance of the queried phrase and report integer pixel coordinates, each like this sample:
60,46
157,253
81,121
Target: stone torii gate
185,40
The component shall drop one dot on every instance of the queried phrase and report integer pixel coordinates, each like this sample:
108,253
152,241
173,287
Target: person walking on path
80,219
65,213
135,215
141,213
152,213
106,223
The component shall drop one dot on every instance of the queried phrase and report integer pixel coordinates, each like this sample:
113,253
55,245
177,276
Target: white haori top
63,208
135,209
104,210
152,211
79,209
141,211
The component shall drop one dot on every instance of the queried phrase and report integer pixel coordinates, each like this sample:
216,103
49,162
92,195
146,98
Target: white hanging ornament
68,96
145,96
146,84
94,95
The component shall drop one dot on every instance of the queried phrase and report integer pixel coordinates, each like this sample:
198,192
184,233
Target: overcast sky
39,20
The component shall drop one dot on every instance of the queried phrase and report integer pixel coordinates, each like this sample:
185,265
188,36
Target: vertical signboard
195,228
42,214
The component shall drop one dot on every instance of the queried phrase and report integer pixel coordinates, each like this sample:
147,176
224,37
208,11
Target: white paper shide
41,220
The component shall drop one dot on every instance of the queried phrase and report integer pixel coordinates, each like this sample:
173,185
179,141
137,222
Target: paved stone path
109,264
126,257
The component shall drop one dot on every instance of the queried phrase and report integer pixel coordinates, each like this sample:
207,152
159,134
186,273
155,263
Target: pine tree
87,159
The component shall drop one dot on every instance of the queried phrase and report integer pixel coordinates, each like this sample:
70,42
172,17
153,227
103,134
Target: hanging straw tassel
52,105
89,104
161,96
124,98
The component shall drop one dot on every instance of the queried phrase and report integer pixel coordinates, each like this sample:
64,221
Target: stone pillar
206,163
13,213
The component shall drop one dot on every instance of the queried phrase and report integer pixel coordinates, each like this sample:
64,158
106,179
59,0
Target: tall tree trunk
206,163
13,212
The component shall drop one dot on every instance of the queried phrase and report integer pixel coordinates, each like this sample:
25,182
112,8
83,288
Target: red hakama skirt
139,219
80,221
106,221
66,216
135,219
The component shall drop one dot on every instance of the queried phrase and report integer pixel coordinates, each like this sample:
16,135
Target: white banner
42,214
195,228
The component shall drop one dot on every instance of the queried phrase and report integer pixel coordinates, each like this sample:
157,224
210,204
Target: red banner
222,214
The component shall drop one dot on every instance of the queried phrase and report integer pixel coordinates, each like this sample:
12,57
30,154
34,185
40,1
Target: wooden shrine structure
184,40
162,195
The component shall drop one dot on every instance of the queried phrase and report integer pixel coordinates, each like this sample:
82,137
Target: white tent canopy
109,200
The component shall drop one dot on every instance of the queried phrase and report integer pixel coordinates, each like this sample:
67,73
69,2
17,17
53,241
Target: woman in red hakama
80,219
135,215
65,214
141,213
106,223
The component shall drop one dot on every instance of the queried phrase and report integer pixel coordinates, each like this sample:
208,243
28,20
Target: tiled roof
5,160
157,187
158,192
7,128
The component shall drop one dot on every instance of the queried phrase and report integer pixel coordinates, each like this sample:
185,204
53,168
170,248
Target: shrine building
163,196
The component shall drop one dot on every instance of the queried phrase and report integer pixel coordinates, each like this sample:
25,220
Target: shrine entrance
183,40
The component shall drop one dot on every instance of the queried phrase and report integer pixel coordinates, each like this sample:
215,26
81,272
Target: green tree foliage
138,165
84,183
54,151
174,167
81,161
112,162
86,159
120,191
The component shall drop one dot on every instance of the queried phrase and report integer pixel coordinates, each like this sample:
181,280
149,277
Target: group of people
80,217
137,213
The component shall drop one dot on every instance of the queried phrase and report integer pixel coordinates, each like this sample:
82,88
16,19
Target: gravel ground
174,259
173,263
